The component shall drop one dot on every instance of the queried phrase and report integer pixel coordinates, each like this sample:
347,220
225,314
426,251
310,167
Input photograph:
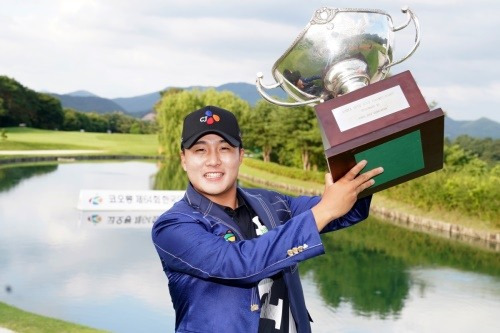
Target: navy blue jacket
213,280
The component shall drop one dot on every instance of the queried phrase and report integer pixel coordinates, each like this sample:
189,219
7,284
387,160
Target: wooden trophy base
387,123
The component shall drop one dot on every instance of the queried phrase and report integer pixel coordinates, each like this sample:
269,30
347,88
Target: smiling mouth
213,175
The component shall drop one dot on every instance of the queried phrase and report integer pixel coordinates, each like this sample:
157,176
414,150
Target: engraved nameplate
370,108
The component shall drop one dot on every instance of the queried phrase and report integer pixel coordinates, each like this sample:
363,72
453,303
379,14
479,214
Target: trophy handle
261,86
411,17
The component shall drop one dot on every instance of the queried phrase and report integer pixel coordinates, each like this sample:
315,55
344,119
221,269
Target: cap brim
188,143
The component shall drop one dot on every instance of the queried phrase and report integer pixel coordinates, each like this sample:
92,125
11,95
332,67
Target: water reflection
369,266
374,283
374,276
108,278
12,176
171,176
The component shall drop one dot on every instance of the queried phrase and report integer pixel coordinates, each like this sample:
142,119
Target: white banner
114,219
110,200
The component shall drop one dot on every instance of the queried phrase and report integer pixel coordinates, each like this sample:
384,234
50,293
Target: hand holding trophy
339,63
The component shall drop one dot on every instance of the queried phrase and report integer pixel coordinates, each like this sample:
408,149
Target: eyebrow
200,142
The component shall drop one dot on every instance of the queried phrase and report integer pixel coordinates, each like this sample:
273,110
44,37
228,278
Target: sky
128,48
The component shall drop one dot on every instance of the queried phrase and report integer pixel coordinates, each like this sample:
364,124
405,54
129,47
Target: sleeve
185,245
358,212
311,78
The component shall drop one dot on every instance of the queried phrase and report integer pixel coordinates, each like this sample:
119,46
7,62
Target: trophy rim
313,22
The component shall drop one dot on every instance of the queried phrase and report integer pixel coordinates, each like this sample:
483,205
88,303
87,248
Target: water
375,277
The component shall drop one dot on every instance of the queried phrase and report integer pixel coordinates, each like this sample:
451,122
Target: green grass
379,199
26,322
114,144
272,177
450,216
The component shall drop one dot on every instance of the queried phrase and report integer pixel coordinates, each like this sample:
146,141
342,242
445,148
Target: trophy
339,64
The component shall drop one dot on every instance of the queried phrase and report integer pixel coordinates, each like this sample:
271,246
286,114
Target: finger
365,185
328,179
351,174
369,174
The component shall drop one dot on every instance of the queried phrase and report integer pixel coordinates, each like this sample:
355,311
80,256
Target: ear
242,153
183,160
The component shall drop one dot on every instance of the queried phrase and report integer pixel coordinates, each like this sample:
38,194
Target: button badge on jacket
261,229
229,236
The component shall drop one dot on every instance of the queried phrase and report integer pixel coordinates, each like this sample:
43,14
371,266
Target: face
212,167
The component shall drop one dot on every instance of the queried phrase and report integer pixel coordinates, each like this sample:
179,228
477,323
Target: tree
260,128
487,149
2,110
50,113
175,105
302,137
19,102
71,121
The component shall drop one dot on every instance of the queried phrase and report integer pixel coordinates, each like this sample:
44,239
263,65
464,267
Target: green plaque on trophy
398,157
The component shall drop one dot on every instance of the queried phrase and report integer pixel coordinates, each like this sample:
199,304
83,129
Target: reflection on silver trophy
339,51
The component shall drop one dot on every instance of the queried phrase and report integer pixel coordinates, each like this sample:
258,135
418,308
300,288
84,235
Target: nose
213,158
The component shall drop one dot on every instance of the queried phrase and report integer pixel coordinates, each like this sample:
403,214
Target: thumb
328,179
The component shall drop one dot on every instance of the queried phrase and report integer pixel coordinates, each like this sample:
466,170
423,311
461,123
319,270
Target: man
231,254
307,85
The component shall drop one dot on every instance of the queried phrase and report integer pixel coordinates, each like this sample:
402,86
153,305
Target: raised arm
185,245
339,197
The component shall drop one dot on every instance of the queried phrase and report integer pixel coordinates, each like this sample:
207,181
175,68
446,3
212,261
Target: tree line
21,105
289,136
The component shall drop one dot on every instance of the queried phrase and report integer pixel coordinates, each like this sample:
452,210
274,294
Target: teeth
213,174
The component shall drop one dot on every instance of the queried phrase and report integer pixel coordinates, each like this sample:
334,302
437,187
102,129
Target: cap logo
209,118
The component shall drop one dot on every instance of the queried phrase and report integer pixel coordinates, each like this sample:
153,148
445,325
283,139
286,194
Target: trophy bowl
339,51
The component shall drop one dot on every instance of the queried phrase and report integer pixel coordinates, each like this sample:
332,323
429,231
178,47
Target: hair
292,77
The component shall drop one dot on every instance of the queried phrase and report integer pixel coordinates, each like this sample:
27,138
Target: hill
82,93
142,105
249,92
480,128
138,105
89,103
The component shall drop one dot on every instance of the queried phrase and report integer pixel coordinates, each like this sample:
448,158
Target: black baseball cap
210,119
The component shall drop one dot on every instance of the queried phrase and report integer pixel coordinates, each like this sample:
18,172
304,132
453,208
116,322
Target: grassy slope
22,321
115,144
380,200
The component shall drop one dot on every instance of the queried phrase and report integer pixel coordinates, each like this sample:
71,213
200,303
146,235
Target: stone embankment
490,240
449,230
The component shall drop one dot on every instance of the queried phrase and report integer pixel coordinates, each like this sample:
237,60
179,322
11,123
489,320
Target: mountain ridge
142,105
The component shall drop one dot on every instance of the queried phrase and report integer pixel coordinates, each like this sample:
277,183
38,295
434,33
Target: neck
228,198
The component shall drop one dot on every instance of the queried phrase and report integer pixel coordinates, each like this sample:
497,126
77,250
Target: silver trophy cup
339,51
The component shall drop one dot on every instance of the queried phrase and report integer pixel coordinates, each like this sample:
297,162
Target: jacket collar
207,207
262,208
203,204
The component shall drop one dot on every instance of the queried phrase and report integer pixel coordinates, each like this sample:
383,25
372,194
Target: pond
375,277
